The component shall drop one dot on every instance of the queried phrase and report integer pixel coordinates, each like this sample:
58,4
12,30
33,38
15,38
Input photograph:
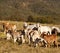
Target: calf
50,39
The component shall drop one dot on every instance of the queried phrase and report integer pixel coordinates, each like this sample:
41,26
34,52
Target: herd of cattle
35,33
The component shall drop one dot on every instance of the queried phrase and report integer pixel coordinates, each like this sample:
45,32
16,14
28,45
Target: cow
27,27
45,29
56,28
15,35
50,39
34,37
8,26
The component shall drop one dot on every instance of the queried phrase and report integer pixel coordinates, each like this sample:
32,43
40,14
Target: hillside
44,11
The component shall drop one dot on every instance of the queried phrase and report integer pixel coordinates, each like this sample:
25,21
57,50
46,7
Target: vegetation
44,11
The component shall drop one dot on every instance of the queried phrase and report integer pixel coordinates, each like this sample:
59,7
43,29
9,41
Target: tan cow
8,26
50,39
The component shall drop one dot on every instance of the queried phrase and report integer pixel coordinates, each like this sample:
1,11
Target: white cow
32,35
30,27
35,37
45,29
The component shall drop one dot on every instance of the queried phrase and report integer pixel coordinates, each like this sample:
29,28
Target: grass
10,47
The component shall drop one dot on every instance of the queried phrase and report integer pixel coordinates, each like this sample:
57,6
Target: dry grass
10,47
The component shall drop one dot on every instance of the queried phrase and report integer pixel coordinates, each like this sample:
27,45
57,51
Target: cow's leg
18,38
56,43
23,40
8,36
36,44
29,39
15,39
49,45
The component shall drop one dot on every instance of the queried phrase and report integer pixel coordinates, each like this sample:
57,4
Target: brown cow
8,26
50,39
